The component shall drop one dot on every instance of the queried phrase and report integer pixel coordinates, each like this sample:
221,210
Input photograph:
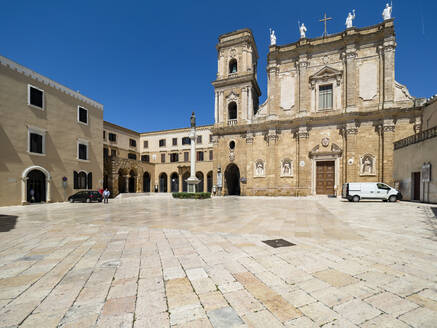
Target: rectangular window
82,115
104,135
112,137
210,138
132,143
174,157
175,141
162,143
113,153
146,144
211,155
325,96
162,158
200,156
82,151
186,141
131,156
186,156
36,143
35,97
199,139
105,153
145,158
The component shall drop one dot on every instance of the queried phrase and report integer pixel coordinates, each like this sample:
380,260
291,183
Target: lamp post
192,181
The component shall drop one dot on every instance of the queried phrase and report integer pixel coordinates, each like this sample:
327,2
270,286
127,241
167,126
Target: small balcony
232,122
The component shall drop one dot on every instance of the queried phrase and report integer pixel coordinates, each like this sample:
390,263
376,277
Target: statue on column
349,19
193,120
302,30
272,37
386,14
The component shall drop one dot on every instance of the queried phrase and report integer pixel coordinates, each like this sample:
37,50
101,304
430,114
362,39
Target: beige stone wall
62,131
429,118
122,144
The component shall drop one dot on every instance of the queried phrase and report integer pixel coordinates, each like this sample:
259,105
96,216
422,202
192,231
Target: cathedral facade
332,113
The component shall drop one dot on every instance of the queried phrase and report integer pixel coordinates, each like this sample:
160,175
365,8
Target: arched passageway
232,176
163,182
209,182
146,182
36,186
121,182
132,181
199,186
174,182
185,176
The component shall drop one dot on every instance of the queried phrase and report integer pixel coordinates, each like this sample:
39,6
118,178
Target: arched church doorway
36,186
199,186
185,176
209,182
232,176
146,182
132,181
163,182
174,179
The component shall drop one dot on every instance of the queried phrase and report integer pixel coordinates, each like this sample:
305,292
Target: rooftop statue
272,38
193,120
302,30
386,13
349,19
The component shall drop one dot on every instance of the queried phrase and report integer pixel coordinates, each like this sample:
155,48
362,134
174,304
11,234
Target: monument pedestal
191,184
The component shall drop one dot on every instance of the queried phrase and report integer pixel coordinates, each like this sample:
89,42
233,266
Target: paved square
152,261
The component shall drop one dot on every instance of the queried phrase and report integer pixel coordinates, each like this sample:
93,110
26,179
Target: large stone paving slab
160,262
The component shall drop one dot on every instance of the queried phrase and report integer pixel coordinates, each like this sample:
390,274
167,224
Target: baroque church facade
332,113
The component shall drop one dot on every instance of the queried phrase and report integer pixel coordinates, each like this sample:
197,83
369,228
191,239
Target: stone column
351,152
388,139
216,107
192,181
303,171
250,105
350,79
389,71
24,190
244,104
220,107
304,96
272,162
49,196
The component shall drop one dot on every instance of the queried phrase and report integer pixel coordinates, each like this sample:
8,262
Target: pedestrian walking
106,194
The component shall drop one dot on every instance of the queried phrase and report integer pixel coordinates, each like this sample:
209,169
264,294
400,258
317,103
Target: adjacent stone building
50,138
332,113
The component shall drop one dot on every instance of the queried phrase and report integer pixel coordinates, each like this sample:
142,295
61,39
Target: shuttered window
325,96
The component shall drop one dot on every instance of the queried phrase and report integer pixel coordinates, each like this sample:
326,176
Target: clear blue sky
152,62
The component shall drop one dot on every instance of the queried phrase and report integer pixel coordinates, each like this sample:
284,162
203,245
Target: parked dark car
86,196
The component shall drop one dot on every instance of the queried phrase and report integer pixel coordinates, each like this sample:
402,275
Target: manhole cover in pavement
275,243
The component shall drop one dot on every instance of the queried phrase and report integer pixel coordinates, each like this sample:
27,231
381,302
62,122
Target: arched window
232,111
233,66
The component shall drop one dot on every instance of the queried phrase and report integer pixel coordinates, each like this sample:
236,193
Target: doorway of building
146,182
199,186
209,181
163,182
415,179
174,186
325,177
36,186
232,176
185,176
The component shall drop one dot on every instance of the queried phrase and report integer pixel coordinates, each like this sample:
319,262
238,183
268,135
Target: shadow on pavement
7,222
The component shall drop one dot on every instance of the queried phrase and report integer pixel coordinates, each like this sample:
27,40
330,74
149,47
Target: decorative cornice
40,78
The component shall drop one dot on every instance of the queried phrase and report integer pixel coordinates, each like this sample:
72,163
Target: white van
354,191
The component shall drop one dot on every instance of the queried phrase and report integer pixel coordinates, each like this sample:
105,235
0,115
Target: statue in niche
286,168
259,168
386,14
302,30
367,165
272,37
349,19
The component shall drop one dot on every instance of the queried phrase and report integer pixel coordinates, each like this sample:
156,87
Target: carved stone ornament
232,97
367,165
249,138
325,74
231,156
232,53
389,128
259,169
286,168
325,142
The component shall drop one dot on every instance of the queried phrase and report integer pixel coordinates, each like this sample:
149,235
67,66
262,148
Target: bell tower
236,88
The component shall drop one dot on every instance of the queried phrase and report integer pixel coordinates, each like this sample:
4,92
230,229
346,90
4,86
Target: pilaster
303,165
351,78
388,130
352,157
389,71
304,96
